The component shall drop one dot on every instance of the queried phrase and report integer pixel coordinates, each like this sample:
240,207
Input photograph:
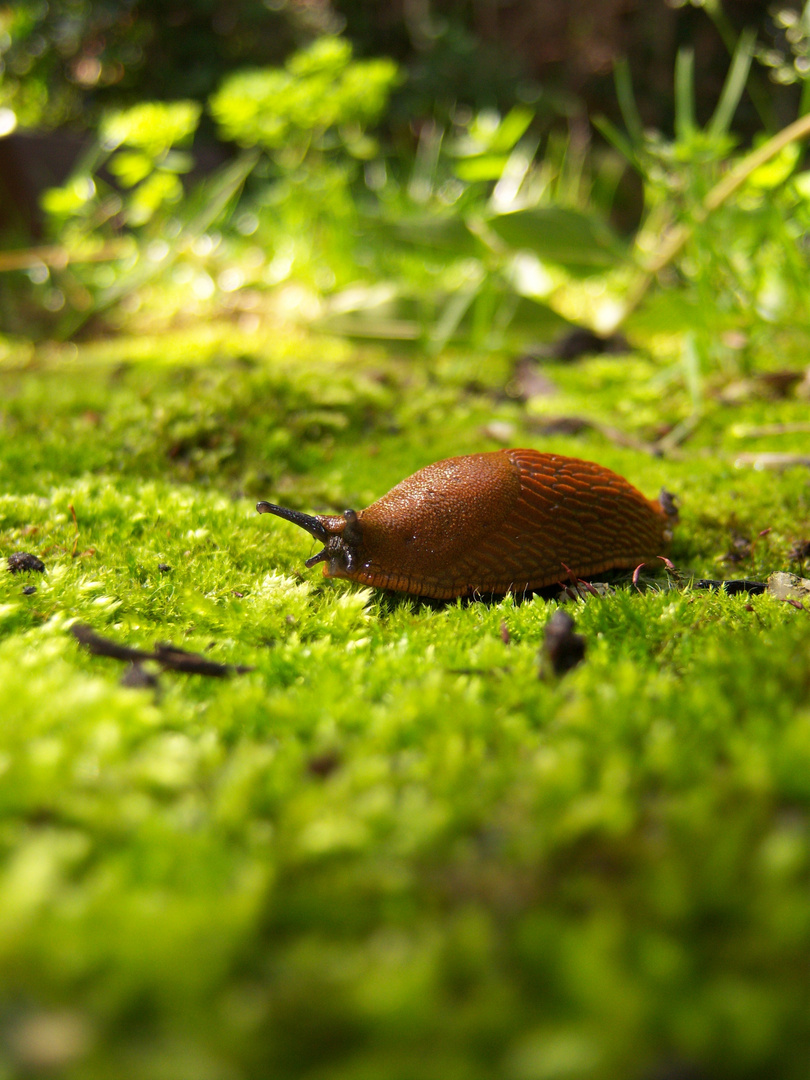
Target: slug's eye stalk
342,537
305,521
352,534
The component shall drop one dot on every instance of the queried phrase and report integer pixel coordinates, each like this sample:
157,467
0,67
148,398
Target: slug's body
505,521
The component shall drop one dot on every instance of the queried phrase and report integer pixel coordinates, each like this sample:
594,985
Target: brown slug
505,521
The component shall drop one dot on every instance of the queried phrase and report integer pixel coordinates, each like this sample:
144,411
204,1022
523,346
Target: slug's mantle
505,521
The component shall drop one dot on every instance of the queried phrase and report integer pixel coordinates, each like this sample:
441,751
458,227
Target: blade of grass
734,85
685,94
674,241
804,103
58,257
507,190
421,184
454,311
617,140
758,93
224,187
627,102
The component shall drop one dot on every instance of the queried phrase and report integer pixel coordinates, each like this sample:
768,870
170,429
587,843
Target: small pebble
24,560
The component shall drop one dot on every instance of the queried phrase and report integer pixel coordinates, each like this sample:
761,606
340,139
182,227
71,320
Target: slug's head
342,537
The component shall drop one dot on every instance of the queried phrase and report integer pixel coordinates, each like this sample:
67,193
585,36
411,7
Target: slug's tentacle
322,556
353,533
312,525
342,537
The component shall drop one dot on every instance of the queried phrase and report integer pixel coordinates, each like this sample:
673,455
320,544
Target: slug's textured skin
505,521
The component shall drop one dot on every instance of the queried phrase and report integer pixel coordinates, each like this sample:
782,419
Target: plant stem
678,236
58,256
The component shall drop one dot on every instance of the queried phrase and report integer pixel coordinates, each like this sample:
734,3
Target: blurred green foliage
320,93
485,230
67,62
138,146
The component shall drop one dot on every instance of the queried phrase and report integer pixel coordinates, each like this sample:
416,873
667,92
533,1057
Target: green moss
390,849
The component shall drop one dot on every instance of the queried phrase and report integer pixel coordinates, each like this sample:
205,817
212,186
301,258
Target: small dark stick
101,646
562,648
168,656
172,656
732,586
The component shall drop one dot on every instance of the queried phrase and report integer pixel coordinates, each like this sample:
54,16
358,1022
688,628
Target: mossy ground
390,850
